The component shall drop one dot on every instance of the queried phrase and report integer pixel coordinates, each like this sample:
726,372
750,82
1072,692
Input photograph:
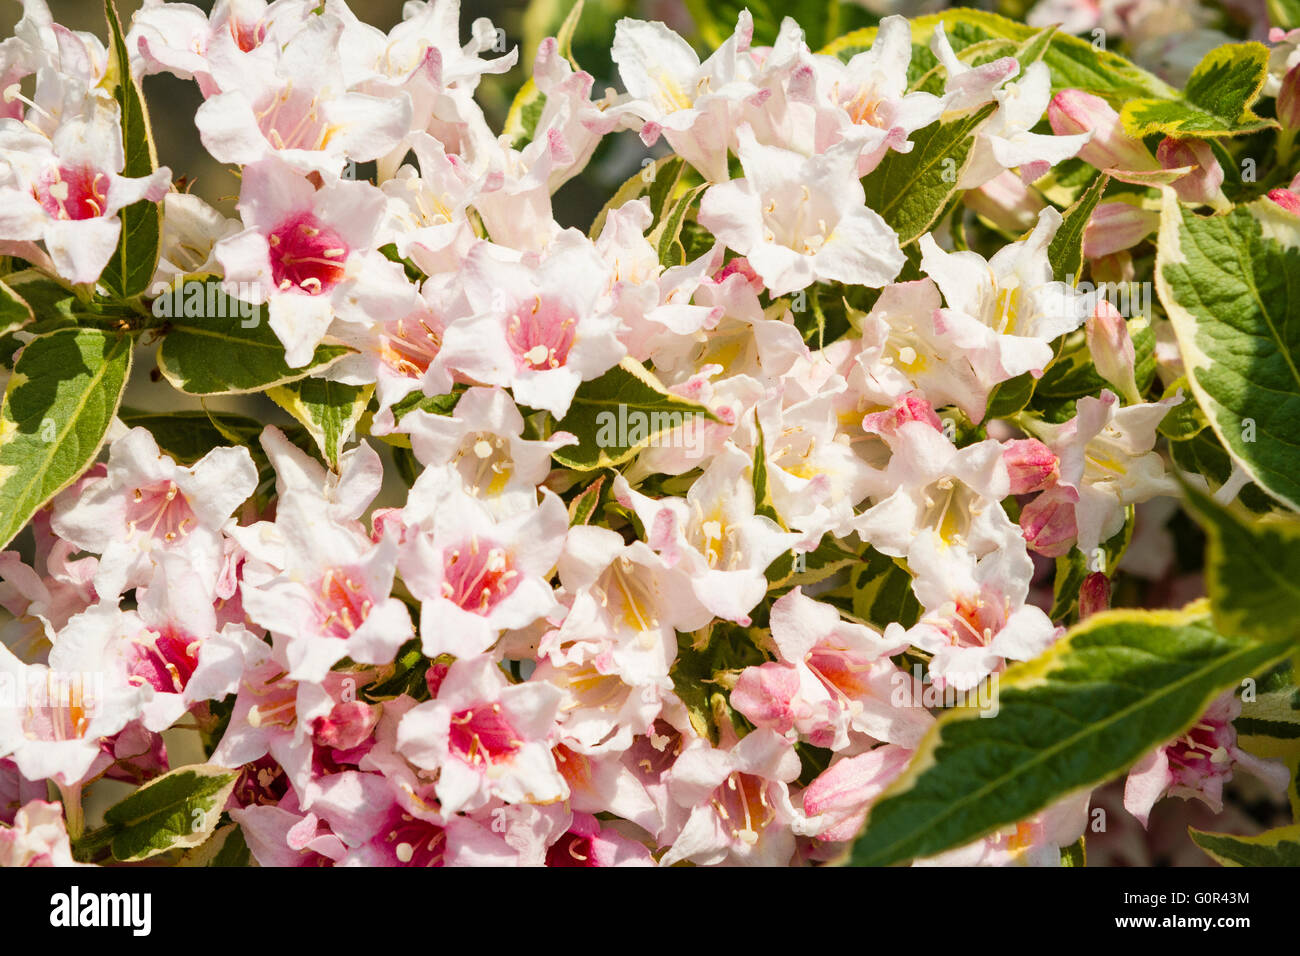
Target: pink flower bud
1204,182
912,407
1288,100
1112,349
1031,464
842,794
1115,226
765,695
1094,594
1073,111
1286,199
1047,522
740,266
434,677
347,726
1006,202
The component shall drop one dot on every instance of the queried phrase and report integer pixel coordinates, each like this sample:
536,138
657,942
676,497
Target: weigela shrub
773,519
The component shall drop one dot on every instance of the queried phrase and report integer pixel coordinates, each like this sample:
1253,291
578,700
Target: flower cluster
656,652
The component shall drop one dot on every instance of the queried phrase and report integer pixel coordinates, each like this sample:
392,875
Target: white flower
799,219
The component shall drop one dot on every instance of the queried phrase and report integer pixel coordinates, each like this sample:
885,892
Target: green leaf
829,557
1094,703
129,270
1184,420
1073,374
1074,567
564,38
882,591
1269,726
1065,252
226,847
621,412
666,236
57,408
175,811
1010,397
1216,102
1203,454
524,113
910,190
328,410
657,181
1076,854
1252,571
189,435
217,355
14,310
1278,847
1231,286
1284,13
583,506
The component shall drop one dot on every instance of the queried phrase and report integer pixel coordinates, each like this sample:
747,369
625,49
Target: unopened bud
1288,100
1116,226
1031,465
1073,111
1094,594
1047,522
1204,183
1112,349
1286,199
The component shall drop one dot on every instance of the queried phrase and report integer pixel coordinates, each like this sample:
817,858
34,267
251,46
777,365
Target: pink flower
539,326
843,683
1198,764
67,190
37,837
838,800
587,843
486,736
311,256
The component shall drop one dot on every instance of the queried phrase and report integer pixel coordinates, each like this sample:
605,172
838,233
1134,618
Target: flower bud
1204,183
1286,199
1094,594
1073,111
1047,522
1115,226
1031,465
1007,203
912,407
1112,349
1288,100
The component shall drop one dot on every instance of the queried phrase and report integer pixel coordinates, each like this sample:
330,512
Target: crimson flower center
248,34
168,662
541,333
160,510
1203,748
572,849
477,577
344,604
73,192
482,734
306,255
414,842
741,802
